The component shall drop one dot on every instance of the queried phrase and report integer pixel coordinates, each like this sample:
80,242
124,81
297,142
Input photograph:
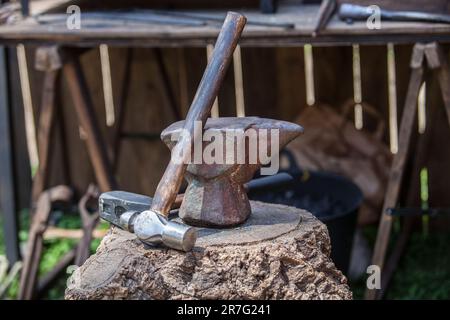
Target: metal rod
238,82
45,136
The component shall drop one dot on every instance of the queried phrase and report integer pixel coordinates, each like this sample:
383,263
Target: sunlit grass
54,250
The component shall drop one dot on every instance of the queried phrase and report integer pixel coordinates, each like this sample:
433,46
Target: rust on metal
35,238
89,220
216,194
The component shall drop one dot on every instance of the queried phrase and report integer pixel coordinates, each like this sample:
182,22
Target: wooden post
168,91
88,121
433,55
49,61
436,60
116,130
398,163
7,185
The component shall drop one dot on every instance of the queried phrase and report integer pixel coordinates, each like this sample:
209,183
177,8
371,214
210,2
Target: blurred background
81,112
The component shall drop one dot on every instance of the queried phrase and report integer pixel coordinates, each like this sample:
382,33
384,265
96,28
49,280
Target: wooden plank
394,258
140,161
444,80
398,164
86,116
7,185
22,168
421,152
168,90
44,132
261,82
182,82
438,161
116,130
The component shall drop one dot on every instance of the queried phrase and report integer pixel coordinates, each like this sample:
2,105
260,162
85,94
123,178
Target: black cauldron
333,199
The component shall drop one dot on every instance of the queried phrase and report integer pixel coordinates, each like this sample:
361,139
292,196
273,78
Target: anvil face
215,196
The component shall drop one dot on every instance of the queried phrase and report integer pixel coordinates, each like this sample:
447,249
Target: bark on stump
279,253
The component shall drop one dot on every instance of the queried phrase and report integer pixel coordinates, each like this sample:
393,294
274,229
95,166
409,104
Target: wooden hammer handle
207,91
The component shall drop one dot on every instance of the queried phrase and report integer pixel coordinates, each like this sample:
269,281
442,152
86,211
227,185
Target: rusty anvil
216,196
221,186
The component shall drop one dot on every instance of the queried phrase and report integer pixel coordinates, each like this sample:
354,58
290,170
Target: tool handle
326,10
207,91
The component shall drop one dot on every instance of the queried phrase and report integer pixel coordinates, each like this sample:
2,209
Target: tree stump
280,253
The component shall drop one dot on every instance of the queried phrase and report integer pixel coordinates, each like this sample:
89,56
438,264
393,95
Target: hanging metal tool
210,18
432,212
349,12
35,244
89,218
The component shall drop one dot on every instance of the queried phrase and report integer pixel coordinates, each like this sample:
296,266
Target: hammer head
153,228
128,211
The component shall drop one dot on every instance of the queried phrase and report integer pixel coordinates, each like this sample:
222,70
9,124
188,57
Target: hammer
152,226
117,206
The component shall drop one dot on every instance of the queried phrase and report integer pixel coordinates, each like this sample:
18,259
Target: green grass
54,250
423,272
